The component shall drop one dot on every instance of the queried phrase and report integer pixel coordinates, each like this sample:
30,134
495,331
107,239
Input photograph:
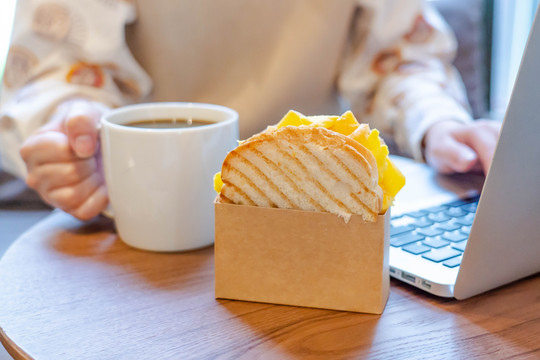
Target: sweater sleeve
63,49
397,71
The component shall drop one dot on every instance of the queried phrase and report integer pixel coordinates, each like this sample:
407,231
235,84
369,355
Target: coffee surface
168,123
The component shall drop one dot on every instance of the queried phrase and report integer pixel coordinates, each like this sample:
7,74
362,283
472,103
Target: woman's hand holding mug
63,159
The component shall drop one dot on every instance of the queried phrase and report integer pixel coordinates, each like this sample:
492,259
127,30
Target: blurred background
491,35
510,25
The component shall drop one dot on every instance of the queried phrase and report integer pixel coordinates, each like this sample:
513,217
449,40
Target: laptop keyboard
438,234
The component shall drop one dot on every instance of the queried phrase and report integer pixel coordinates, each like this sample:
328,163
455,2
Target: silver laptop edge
504,242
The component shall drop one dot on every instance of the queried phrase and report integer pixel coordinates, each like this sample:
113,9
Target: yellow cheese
293,118
218,183
346,124
392,182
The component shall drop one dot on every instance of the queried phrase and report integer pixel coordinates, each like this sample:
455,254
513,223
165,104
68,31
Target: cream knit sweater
387,60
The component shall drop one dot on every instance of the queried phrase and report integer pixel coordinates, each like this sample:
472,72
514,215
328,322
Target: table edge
13,349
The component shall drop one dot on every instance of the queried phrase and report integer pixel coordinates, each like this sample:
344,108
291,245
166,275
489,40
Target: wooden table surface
73,290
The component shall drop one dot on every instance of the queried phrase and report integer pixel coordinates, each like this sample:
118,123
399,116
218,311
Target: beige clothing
387,60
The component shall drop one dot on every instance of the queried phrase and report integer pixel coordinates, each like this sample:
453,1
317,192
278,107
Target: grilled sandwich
312,163
305,168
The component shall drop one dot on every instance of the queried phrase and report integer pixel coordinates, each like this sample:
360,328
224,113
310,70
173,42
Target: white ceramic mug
160,181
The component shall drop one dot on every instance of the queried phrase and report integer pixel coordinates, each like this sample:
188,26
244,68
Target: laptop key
435,243
457,203
460,245
466,220
429,232
396,230
456,211
405,239
454,237
470,207
422,222
417,214
438,255
453,262
416,248
466,229
449,226
434,209
439,217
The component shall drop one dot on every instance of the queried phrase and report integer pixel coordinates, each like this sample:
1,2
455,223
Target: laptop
459,236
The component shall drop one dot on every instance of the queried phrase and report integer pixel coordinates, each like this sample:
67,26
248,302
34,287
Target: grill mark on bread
231,187
223,199
291,173
315,183
335,200
265,178
364,206
288,178
248,181
351,173
363,163
357,179
325,168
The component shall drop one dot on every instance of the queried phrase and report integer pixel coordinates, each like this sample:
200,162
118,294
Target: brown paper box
301,258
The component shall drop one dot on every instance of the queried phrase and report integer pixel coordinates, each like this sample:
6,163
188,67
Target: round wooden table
73,290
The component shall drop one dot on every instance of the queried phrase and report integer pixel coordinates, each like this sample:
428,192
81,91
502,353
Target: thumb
81,125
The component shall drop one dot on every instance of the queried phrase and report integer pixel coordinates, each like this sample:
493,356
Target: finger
483,143
93,205
52,176
69,198
461,158
81,126
450,155
46,147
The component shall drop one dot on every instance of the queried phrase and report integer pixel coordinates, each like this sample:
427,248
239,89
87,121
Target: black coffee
168,123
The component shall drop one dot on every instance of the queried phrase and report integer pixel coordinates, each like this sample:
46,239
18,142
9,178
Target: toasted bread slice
305,168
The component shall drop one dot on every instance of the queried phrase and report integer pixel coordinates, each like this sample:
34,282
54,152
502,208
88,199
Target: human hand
64,161
451,146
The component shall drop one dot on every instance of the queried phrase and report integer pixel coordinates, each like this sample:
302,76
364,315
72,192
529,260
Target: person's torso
261,58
